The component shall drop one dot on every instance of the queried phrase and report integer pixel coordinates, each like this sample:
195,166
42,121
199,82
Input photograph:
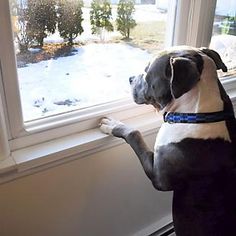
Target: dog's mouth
154,102
156,105
143,99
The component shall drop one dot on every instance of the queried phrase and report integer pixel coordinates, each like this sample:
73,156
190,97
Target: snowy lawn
94,74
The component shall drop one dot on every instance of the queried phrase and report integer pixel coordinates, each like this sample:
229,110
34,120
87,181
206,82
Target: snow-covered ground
95,74
225,45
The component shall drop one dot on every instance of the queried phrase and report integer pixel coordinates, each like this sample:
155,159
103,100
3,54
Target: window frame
183,16
195,20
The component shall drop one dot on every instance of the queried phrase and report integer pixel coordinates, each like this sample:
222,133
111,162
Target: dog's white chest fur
174,133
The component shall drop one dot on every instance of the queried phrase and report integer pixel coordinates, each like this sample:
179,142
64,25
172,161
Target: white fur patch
173,133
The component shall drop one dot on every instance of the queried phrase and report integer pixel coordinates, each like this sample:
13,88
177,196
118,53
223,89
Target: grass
149,35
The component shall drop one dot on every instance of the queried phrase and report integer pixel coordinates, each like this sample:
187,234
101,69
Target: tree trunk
41,41
70,40
128,33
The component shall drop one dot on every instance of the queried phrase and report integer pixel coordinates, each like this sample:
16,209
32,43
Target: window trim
10,84
4,144
40,133
194,22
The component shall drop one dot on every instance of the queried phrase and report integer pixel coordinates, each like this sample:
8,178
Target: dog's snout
131,79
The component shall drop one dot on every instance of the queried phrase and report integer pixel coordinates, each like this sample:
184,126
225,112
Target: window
224,34
56,84
58,74
58,90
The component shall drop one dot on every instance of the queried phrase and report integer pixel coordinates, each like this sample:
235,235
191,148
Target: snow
95,74
225,45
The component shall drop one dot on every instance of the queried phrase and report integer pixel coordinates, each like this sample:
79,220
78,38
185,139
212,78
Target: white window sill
38,157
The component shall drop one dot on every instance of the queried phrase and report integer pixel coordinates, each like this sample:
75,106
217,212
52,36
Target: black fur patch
202,175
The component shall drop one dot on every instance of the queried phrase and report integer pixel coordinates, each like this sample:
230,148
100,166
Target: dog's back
207,202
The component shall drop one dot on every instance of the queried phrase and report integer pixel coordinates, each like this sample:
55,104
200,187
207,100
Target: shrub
70,19
100,17
42,19
125,20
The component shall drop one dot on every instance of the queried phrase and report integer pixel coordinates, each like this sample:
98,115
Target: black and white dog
195,149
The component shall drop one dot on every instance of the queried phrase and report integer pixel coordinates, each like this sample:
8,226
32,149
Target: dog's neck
204,97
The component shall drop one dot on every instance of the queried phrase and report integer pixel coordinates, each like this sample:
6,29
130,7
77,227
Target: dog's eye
153,87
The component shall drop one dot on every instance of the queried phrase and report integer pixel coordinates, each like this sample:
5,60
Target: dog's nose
131,79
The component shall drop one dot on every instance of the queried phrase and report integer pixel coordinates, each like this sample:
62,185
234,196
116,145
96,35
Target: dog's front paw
108,124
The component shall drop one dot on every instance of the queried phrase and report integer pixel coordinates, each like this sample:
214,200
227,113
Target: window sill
38,157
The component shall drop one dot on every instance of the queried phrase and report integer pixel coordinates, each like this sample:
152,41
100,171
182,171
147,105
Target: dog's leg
133,138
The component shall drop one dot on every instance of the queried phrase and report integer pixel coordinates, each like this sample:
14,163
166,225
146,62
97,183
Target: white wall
105,194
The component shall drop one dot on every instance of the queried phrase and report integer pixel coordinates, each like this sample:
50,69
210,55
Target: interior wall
105,194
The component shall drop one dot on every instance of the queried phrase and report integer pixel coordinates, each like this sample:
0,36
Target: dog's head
171,75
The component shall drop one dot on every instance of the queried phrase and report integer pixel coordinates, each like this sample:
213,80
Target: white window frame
47,141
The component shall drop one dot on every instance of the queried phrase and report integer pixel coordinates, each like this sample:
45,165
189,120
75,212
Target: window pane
224,34
68,58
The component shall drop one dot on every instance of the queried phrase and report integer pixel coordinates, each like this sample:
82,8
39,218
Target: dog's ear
215,57
184,75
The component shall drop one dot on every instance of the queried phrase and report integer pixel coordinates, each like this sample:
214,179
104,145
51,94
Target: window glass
224,34
73,54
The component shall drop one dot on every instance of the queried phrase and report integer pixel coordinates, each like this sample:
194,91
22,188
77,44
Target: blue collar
196,118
